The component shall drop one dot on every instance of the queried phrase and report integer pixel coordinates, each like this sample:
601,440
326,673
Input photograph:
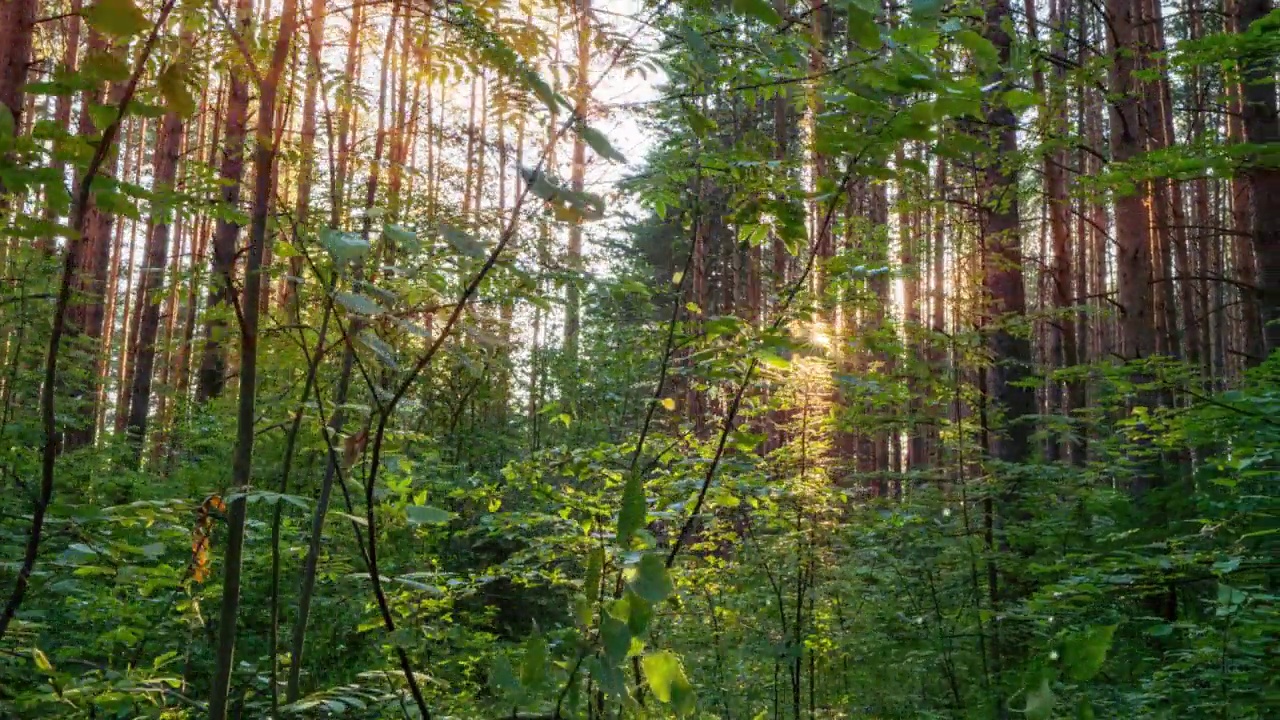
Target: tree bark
1262,126
1132,230
242,458
151,279
213,360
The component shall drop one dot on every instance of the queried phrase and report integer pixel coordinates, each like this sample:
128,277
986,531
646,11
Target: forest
627,359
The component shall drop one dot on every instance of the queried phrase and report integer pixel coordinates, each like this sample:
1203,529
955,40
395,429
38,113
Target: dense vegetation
571,359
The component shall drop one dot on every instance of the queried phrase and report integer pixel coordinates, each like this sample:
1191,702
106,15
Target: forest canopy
586,359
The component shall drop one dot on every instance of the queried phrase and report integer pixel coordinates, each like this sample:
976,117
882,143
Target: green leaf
650,580
758,9
1040,701
984,51
610,678
427,515
344,247
698,122
173,88
120,18
639,613
774,360
863,28
400,236
502,676
632,513
1084,711
921,9
462,242
41,660
1018,99
595,569
1084,653
386,354
105,66
667,680
6,123
357,303
601,144
533,669
616,638
103,115
541,89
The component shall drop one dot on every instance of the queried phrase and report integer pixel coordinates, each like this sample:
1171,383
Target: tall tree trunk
1262,127
307,148
577,178
85,316
1132,230
242,459
311,563
1003,262
213,360
62,106
17,19
152,277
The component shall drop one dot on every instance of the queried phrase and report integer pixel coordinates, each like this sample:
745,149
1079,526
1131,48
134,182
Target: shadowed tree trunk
152,279
213,361
1262,126
242,458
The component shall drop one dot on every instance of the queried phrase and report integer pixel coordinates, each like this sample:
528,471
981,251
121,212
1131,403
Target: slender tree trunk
152,278
85,317
311,563
307,148
213,361
242,459
577,178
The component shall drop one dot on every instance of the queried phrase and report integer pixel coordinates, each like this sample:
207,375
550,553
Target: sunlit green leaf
533,668
427,515
632,512
650,579
120,18
1084,653
666,678
761,10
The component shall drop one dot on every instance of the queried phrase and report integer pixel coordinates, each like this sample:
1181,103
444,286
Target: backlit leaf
650,580
1084,653
666,678
601,144
533,669
632,513
120,18
761,10
173,88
